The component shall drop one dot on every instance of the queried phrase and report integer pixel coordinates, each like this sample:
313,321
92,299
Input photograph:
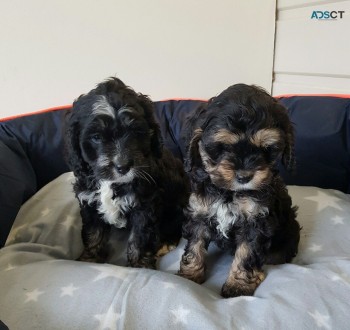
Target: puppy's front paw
191,269
242,285
198,277
147,261
236,290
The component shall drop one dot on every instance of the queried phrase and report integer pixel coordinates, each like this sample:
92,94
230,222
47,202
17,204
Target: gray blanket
42,287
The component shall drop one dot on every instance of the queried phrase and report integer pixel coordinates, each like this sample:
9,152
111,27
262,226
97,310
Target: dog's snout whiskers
144,175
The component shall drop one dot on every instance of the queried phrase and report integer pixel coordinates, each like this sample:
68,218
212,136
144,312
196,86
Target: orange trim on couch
68,106
62,107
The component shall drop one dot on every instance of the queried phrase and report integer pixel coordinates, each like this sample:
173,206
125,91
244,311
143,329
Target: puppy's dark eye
96,138
273,148
272,152
215,150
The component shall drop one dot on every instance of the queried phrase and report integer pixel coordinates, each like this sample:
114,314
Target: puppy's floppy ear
192,120
73,154
156,136
193,157
288,156
156,140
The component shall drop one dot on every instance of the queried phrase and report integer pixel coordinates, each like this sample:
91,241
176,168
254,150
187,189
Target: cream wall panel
288,4
52,51
311,55
304,84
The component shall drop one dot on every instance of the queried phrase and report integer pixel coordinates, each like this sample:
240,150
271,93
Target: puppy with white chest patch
239,200
124,177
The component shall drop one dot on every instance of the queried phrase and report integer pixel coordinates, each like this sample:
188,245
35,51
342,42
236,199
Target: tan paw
243,284
165,249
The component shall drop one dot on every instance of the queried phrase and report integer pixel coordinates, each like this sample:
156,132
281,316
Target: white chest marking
112,209
226,214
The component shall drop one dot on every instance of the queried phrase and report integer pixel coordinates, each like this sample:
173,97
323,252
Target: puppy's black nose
243,178
124,168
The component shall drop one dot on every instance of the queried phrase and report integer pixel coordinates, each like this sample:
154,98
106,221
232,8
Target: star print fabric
42,287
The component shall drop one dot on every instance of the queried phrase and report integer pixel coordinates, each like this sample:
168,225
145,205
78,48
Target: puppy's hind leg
170,230
284,245
165,249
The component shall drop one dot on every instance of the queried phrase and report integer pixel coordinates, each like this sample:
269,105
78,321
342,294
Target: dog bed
42,287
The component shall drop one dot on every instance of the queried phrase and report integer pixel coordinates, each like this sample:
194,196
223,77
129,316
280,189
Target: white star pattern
338,220
324,200
336,278
341,277
108,320
9,267
68,222
168,285
320,319
180,314
45,212
14,232
68,290
33,295
119,273
232,301
315,247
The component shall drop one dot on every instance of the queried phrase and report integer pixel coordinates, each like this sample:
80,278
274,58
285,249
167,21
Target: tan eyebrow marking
227,137
266,137
225,169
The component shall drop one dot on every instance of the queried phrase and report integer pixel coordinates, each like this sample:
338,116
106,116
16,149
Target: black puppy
239,200
124,176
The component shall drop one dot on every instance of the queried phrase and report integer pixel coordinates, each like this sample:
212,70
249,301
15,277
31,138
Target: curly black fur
239,200
124,176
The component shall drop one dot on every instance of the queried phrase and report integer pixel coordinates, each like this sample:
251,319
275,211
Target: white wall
53,51
311,56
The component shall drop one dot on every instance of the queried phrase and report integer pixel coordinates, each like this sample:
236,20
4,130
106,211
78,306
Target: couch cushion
322,127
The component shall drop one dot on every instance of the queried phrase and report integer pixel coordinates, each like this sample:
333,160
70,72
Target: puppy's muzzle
124,167
244,177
